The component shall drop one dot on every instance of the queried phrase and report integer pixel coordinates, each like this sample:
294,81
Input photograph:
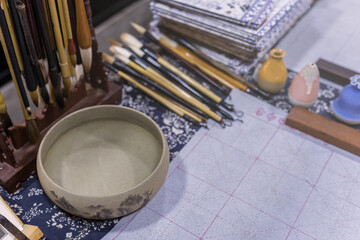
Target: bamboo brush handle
170,104
15,74
33,28
187,111
209,70
59,42
190,58
65,36
13,35
152,94
54,77
189,80
175,89
82,26
67,18
61,16
49,28
184,95
216,73
28,70
21,9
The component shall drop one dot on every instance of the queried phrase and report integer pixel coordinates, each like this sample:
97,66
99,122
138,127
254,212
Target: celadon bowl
103,162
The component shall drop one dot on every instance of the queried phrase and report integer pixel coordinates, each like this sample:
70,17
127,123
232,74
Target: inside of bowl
102,157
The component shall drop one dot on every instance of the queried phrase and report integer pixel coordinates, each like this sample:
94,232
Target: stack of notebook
243,30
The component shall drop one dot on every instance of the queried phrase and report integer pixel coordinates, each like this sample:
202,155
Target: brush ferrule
138,62
151,37
149,52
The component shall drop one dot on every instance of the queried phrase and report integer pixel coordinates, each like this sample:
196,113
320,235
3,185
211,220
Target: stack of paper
243,29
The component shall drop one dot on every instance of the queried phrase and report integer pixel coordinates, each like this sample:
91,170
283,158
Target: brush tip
86,56
130,40
44,94
138,28
32,130
34,97
107,58
59,97
120,51
67,86
114,42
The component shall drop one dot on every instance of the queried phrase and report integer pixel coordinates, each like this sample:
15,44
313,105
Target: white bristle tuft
137,51
130,40
86,57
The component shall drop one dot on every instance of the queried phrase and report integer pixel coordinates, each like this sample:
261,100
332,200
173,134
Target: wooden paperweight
11,227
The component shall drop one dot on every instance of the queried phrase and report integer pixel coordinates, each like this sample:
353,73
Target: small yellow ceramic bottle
273,73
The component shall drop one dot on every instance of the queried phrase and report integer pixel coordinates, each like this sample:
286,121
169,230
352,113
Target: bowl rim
122,108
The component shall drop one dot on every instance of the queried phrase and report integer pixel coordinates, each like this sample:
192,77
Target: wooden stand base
10,176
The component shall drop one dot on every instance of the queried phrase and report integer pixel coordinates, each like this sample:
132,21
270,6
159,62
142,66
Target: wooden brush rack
18,155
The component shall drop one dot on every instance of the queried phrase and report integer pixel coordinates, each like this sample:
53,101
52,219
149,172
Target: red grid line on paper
172,221
127,224
307,199
242,179
337,196
231,195
164,182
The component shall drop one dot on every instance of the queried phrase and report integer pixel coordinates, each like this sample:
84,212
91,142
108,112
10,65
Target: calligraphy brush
223,89
32,78
4,116
132,41
114,42
39,50
135,63
72,15
64,67
118,64
52,61
223,68
83,35
31,128
64,34
28,71
13,36
161,99
32,25
178,81
183,53
49,28
71,44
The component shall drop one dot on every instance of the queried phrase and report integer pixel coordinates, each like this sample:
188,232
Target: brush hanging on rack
25,46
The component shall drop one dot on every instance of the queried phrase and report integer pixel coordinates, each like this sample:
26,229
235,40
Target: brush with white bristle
119,51
130,40
83,35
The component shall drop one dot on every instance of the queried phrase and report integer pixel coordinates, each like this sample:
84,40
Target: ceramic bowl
103,162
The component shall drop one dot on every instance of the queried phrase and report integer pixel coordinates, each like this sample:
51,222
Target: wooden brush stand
18,155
